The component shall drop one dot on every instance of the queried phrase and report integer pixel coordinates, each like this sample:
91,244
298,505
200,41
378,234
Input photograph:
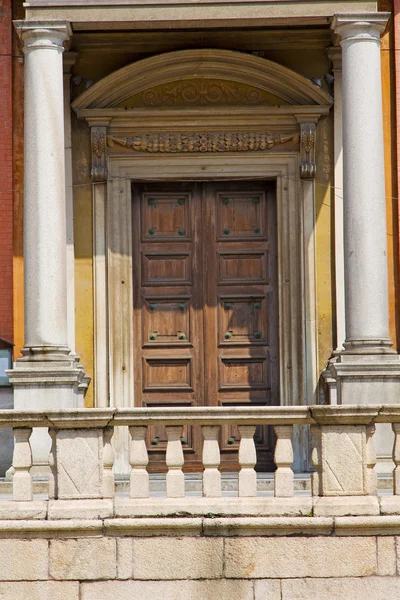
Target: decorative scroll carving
99,158
224,141
307,150
205,92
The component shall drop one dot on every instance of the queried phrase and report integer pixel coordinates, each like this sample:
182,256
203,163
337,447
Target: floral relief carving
224,141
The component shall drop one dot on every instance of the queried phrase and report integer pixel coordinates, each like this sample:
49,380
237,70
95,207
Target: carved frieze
307,150
201,92
215,141
99,157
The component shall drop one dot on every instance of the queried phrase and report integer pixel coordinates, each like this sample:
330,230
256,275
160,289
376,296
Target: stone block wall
62,560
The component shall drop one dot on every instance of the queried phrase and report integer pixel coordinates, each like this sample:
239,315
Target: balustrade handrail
257,415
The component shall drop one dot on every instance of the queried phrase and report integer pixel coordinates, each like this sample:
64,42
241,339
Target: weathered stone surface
341,506
267,589
390,505
39,590
386,555
178,558
124,558
89,558
255,507
300,557
378,588
23,560
86,509
343,460
22,510
80,463
169,590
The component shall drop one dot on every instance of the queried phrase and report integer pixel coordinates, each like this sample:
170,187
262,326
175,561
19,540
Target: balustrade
82,456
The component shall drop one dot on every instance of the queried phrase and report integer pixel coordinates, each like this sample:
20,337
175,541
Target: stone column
365,244
46,375
368,369
44,197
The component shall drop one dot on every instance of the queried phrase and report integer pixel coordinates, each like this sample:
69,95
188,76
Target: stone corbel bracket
308,138
98,144
308,167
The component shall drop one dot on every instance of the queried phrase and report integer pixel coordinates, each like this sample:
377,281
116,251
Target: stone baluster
316,461
283,482
53,465
371,478
139,460
108,463
22,462
211,462
247,461
396,459
175,461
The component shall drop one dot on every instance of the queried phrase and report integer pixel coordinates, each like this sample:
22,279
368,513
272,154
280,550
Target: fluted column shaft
364,205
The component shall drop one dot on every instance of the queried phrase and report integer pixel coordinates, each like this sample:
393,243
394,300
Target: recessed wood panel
159,269
242,320
165,217
244,373
166,320
243,268
241,216
167,374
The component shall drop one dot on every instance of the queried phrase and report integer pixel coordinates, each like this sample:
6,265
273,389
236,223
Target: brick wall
6,198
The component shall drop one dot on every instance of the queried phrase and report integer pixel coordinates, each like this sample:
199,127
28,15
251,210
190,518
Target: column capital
49,35
360,26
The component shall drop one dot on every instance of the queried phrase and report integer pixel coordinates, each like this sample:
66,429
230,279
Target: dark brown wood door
205,306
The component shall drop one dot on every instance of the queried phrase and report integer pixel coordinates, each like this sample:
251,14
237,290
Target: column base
47,377
364,378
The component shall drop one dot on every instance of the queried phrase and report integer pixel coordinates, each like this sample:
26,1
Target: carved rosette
99,156
307,150
224,141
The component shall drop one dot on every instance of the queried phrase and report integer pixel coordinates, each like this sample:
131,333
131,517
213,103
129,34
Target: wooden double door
206,306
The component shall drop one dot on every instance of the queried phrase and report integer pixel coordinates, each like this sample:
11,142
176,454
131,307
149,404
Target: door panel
241,317
206,306
168,307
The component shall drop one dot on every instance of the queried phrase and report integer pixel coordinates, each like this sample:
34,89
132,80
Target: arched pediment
190,78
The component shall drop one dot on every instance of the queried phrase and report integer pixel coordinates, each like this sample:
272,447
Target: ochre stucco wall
83,236
389,122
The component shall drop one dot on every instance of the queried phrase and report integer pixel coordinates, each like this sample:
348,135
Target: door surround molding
296,254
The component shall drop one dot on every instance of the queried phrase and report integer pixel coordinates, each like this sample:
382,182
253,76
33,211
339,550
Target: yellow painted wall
389,121
83,236
324,239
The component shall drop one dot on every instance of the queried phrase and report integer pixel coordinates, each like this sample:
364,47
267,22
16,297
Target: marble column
44,197
368,369
364,205
47,374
